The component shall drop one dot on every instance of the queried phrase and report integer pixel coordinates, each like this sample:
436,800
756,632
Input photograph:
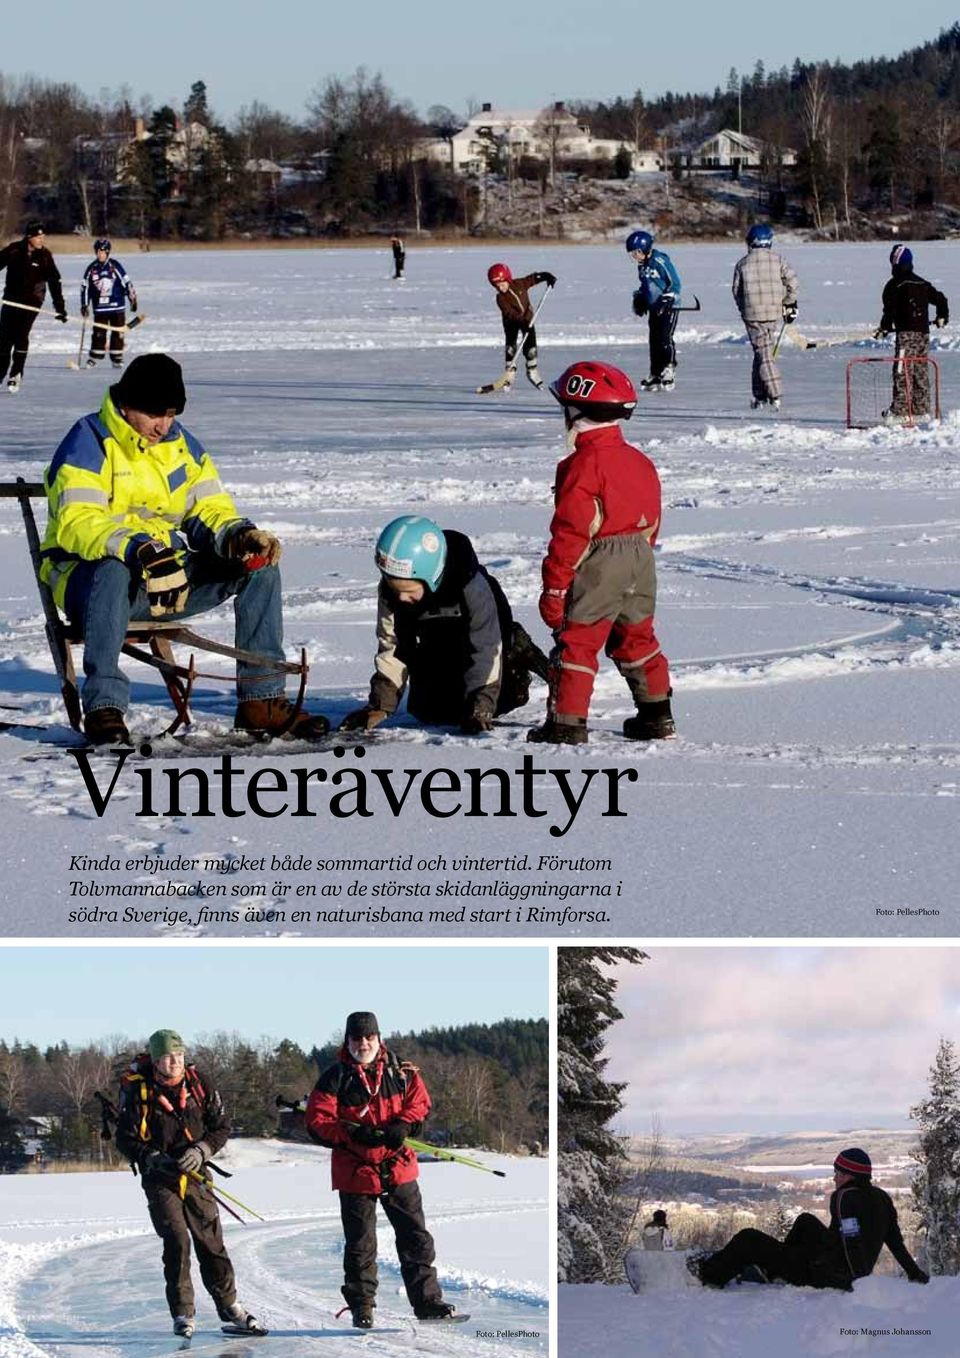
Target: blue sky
48,994
760,1039
433,52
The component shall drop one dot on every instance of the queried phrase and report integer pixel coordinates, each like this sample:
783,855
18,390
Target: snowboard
658,1270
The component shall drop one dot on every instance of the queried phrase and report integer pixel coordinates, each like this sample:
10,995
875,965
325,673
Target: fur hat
362,1024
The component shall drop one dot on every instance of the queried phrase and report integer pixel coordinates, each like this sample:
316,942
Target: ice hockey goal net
870,391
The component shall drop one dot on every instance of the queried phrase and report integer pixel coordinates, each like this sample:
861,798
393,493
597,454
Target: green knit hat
163,1042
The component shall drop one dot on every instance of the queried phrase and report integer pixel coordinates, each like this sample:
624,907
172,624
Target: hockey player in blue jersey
657,298
106,287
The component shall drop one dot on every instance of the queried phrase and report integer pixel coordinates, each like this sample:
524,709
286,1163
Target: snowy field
808,594
755,1321
80,1269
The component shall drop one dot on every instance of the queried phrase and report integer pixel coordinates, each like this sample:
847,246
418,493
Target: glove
254,547
790,313
61,316
478,715
164,579
919,1276
940,322
363,719
152,1162
84,312
553,604
549,278
880,333
395,1133
194,1157
367,1136
133,301
640,307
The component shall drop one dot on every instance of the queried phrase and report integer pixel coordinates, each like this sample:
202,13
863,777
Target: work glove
940,322
790,313
194,1158
640,307
84,312
61,316
478,715
254,548
395,1133
549,278
164,579
133,301
553,604
367,1136
918,1276
363,719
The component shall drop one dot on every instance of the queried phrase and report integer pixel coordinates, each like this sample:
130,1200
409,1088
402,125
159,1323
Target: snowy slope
80,1264
808,589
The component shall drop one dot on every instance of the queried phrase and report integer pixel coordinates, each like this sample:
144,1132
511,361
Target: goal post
871,385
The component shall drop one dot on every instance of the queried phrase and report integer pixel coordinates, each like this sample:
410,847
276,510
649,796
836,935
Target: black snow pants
663,354
176,1221
15,327
512,331
802,1259
108,323
404,1209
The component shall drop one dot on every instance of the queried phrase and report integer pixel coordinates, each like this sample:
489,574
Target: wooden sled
149,642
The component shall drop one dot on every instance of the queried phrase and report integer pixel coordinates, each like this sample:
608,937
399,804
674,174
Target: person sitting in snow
656,1233
364,1106
907,299
516,312
862,1220
170,1123
444,627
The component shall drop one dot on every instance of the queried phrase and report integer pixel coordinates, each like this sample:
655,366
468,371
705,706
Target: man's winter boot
572,731
274,717
696,1262
106,726
434,1310
753,1273
533,376
184,1326
362,1313
654,721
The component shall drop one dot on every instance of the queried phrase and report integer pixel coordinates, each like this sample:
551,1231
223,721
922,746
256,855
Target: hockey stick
776,347
696,307
802,342
506,377
83,335
39,311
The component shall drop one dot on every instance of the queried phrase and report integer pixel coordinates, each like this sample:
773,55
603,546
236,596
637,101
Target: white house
723,149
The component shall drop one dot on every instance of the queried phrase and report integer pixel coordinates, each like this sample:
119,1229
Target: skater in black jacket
907,299
30,271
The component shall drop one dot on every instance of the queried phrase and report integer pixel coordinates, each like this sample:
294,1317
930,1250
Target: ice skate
13,386
184,1327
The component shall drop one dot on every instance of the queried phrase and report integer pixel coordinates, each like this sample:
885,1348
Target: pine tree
936,1184
592,1166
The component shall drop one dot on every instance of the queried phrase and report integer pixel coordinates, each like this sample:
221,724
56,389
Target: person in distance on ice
399,256
907,299
656,1233
106,287
170,1122
599,577
862,1220
657,298
445,627
516,312
30,271
363,1107
765,290
140,527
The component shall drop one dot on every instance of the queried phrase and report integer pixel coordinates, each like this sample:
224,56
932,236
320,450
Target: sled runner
149,642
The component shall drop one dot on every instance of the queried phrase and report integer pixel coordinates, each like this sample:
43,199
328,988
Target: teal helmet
412,548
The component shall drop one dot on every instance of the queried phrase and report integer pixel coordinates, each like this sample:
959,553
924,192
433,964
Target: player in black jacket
30,270
862,1220
907,300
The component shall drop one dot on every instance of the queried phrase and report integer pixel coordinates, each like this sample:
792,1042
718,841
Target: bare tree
817,119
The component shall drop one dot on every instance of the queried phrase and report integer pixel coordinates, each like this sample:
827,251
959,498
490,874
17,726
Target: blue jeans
103,597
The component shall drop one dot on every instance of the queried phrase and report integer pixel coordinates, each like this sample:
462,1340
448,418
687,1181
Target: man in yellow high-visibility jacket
141,527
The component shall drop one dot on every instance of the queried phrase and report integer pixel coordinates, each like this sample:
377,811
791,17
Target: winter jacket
907,300
451,645
29,273
763,285
514,303
109,492
654,1237
659,281
605,488
862,1220
106,286
155,1116
372,1096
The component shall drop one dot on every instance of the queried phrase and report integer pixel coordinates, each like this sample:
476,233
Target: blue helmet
412,548
760,236
102,244
901,257
639,240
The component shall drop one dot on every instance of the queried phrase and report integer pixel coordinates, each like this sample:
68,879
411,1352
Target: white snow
808,589
80,1265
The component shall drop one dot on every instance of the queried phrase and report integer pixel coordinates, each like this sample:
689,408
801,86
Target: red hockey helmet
499,273
597,390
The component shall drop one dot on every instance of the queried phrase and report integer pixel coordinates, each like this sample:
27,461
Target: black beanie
33,229
152,384
854,1161
362,1024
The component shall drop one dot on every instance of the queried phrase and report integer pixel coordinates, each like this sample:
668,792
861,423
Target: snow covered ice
80,1266
808,584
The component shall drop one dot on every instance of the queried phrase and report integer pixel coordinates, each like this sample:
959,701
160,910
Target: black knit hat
362,1024
33,228
152,384
854,1161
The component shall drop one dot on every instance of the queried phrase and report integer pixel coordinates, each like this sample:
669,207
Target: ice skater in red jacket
599,577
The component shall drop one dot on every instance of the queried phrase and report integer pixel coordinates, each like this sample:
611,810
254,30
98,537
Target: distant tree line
489,1086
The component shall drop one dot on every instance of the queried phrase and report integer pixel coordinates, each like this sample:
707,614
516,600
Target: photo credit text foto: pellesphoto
228,789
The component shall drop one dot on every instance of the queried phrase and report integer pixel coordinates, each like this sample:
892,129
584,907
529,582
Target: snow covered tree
936,1184
593,1216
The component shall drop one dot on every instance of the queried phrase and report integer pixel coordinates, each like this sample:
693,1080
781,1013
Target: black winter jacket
155,1116
862,1220
28,274
907,300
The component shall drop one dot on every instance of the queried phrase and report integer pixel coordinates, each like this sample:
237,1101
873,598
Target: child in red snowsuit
599,577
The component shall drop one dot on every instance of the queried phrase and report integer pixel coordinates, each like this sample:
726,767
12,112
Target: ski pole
208,1183
425,1148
